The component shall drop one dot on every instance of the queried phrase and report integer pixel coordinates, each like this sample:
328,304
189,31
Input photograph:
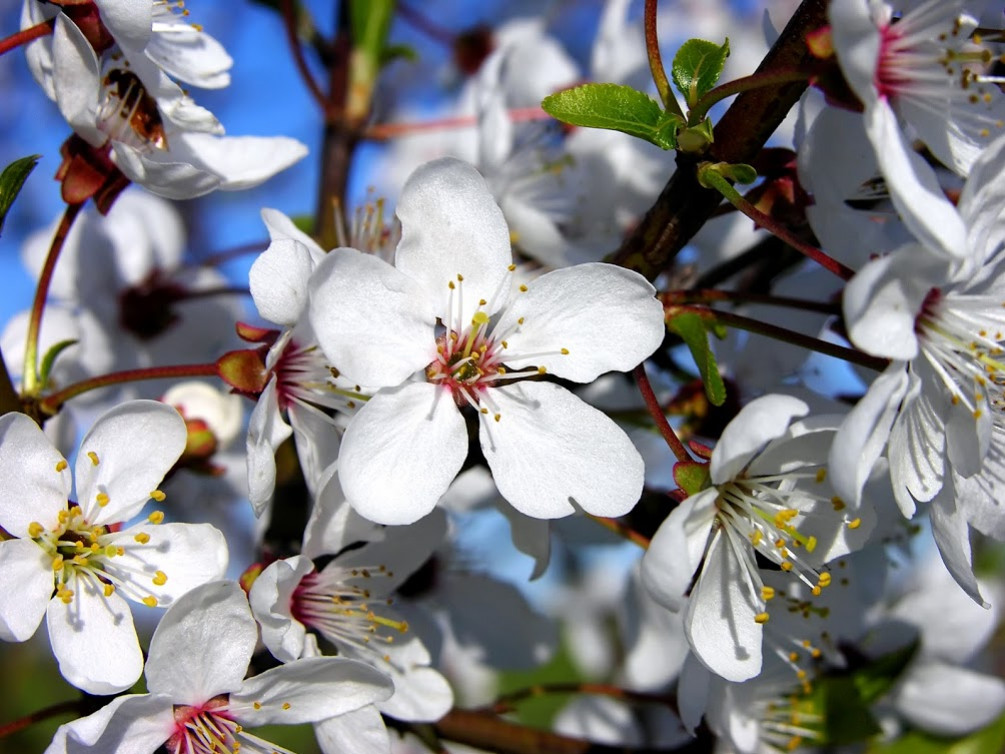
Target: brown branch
293,40
684,206
487,731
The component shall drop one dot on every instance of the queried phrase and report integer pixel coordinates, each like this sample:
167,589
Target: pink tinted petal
93,638
202,645
450,226
550,453
374,323
33,490
606,317
720,615
401,451
308,691
26,581
134,444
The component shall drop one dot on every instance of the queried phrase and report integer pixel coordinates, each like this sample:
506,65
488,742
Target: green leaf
691,476
50,358
697,67
617,108
989,739
691,328
847,718
11,180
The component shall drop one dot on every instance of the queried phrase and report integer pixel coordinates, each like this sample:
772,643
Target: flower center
303,375
128,114
204,729
347,606
91,557
961,338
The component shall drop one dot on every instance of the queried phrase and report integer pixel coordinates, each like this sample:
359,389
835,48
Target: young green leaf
691,328
617,108
692,476
697,67
50,359
11,180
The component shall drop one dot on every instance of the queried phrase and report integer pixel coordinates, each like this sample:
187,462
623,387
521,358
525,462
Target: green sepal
692,476
49,359
616,108
692,330
697,67
12,179
697,138
738,172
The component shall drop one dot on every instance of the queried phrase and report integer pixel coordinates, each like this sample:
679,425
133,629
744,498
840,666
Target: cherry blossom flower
73,561
937,407
349,604
157,136
200,701
920,69
550,453
769,497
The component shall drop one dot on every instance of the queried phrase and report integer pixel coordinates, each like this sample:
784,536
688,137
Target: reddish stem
709,295
622,530
290,24
384,131
30,372
656,410
25,36
656,61
505,703
60,708
51,404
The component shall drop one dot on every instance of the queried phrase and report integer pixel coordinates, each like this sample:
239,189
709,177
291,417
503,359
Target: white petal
401,451
420,693
270,599
373,323
601,720
172,174
266,432
307,691
450,226
278,279
242,162
914,188
135,444
720,616
201,60
26,581
520,638
144,721
982,201
188,554
531,536
952,535
857,43
75,78
317,440
676,550
948,700
202,644
862,437
403,550
692,689
605,316
361,732
757,423
916,450
32,488
883,300
128,21
550,453
93,639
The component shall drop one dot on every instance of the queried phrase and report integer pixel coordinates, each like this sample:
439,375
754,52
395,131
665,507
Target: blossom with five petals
446,327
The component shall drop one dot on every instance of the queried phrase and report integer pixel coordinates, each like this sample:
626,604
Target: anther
61,465
93,456
761,618
158,496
